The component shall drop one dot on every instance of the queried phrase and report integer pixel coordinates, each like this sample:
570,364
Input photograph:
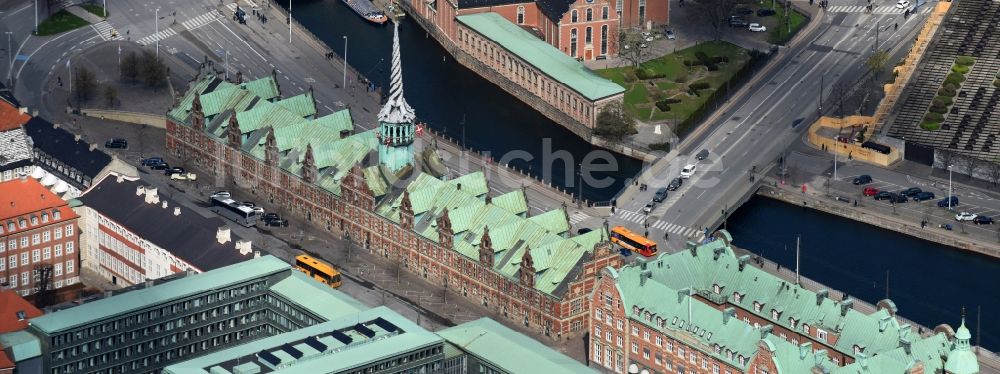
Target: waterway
929,282
445,95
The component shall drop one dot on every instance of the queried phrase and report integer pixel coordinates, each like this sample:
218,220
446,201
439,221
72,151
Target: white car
222,194
258,210
902,4
688,171
965,216
756,27
184,177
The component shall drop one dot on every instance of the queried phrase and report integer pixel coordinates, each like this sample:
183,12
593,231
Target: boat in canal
367,10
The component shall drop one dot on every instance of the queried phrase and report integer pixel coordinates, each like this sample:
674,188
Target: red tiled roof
23,196
5,362
11,117
10,304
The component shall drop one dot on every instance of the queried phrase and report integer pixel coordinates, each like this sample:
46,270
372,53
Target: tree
876,62
110,95
154,73
718,12
614,122
130,67
970,164
84,84
947,157
993,172
45,295
630,46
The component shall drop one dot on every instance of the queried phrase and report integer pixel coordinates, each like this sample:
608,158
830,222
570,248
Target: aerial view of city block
500,186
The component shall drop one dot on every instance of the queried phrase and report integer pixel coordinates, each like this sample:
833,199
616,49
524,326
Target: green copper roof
302,105
22,344
316,297
376,180
509,350
553,220
541,55
141,298
266,87
513,201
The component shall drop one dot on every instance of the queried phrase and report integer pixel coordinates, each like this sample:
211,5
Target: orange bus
318,270
632,241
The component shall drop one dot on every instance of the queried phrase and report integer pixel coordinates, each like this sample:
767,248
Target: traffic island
60,22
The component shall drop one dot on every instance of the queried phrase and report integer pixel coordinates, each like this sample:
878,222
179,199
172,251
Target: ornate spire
396,109
486,248
271,149
235,135
527,269
309,172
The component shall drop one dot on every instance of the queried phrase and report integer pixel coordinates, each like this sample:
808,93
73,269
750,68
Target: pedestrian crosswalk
659,224
163,34
888,9
577,217
106,31
231,6
201,20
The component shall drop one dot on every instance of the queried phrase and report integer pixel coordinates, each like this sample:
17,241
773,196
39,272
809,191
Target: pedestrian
895,26
779,267
855,203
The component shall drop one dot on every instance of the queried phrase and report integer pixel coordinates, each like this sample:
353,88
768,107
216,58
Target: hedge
757,60
934,117
961,69
965,60
930,126
647,74
947,91
699,86
954,78
947,100
663,106
660,147
938,109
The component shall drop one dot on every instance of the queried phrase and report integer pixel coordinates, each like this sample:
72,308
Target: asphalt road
755,129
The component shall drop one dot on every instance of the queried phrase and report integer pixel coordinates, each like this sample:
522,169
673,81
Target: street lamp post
10,53
579,190
345,62
36,16
949,187
156,21
289,21
227,64
105,8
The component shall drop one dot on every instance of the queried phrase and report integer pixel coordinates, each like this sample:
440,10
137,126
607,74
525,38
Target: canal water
445,95
929,282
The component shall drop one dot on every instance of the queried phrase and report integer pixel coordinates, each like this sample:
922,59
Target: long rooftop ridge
396,109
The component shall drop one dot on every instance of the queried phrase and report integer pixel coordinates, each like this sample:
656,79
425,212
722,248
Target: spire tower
396,128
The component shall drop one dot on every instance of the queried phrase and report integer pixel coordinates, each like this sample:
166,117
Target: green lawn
97,10
641,96
60,22
778,34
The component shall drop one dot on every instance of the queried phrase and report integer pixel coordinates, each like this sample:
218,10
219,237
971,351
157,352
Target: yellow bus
318,269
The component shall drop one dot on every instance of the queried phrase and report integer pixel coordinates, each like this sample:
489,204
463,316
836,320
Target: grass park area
674,86
94,9
60,22
778,28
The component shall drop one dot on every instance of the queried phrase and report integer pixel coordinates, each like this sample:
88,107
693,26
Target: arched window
590,14
572,39
604,38
520,15
589,37
604,13
574,16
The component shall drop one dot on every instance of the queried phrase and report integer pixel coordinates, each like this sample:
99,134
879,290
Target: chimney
820,295
244,247
177,210
845,306
119,178
766,329
149,283
820,357
151,196
139,190
93,147
716,253
645,274
77,137
744,259
728,314
883,323
458,186
691,246
905,343
22,110
164,204
223,235
804,350
256,254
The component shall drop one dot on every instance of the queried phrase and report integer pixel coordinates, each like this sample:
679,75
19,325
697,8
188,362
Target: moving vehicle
649,207
910,192
318,270
675,184
152,161
632,241
756,27
688,171
660,195
183,176
926,195
944,202
965,216
862,179
902,4
229,208
869,191
116,143
763,12
703,154
983,220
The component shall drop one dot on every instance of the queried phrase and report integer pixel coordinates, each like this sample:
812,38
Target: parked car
910,192
152,161
258,210
983,220
161,166
897,198
944,202
703,154
688,171
583,231
965,216
116,143
926,195
248,204
649,207
756,27
222,194
735,21
862,179
277,222
670,35
884,195
763,12
743,11
660,195
902,4
675,184
183,176
174,170
869,191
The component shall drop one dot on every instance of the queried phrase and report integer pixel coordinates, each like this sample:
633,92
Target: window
520,21
45,217
597,330
645,353
24,241
642,11
36,239
821,334
57,269
36,255
57,234
69,230
737,297
3,246
12,244
635,346
589,36
670,345
46,236
645,335
693,357
620,325
756,306
572,38
13,261
22,223
590,14
659,341
774,314
34,220
3,264
10,226
619,340
47,253
597,352
597,314
573,16
805,328
715,368
635,331
13,281
24,278
857,349
24,258
69,247
56,214
607,336
604,13
58,248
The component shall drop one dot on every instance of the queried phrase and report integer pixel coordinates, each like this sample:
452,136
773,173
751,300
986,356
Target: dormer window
792,322
34,220
20,317
635,310
23,223
857,350
717,289
757,306
649,317
737,297
55,214
45,217
774,314
805,328
673,321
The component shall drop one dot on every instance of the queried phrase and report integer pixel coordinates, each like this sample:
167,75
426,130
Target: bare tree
84,84
993,172
630,46
110,95
947,156
130,67
153,71
718,12
45,295
970,164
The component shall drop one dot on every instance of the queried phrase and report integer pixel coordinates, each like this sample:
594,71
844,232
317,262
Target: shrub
720,59
712,67
947,91
961,69
955,78
663,106
947,100
702,57
930,126
689,63
965,60
996,83
934,117
699,86
938,109
681,78
646,74
630,76
672,100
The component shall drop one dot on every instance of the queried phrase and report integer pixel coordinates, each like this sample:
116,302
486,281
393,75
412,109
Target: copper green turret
961,360
396,129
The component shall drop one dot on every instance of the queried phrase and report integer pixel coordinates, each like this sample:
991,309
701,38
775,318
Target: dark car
152,161
271,216
862,179
116,143
763,12
742,11
735,21
911,192
926,195
983,220
583,231
160,166
897,198
277,222
174,170
660,195
884,195
702,155
675,184
944,202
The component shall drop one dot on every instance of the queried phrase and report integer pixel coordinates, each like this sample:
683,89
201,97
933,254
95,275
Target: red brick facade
352,213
